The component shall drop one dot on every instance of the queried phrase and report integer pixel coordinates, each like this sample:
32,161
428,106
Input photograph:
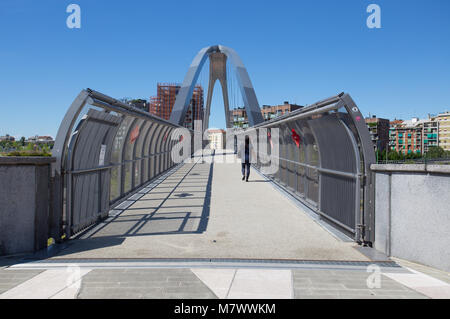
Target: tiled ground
435,273
255,282
11,279
339,284
143,283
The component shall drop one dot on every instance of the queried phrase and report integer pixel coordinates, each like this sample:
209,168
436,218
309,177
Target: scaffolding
162,104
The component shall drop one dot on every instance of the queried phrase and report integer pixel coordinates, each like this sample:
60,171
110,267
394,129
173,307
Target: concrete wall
24,204
412,213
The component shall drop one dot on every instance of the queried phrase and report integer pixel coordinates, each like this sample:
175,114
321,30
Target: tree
435,152
30,147
395,156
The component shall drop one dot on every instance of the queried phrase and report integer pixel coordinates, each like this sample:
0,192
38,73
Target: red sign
134,134
181,138
296,138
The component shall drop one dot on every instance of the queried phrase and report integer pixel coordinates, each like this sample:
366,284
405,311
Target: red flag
296,138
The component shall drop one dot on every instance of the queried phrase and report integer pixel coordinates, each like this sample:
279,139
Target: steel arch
184,95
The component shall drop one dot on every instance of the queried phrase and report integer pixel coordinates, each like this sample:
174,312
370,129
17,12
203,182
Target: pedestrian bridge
204,210
121,194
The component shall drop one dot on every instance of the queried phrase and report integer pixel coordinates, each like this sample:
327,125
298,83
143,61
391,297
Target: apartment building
414,135
430,134
269,112
379,132
443,120
406,136
8,138
239,117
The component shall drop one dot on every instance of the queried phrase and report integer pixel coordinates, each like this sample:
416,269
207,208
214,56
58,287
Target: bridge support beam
184,96
217,71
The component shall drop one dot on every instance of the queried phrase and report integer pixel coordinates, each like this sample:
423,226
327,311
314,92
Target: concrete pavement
137,280
205,210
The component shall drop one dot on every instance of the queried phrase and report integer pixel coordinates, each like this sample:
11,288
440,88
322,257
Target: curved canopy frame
325,153
184,95
104,150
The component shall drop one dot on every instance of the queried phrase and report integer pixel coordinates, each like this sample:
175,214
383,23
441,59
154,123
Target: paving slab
435,273
45,284
261,284
242,281
10,279
423,283
348,284
218,280
143,283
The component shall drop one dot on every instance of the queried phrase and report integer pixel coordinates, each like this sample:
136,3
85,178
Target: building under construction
161,105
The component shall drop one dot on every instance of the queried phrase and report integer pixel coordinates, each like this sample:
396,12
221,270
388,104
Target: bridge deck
205,210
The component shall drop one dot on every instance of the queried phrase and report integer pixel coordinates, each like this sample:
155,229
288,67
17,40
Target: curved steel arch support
65,129
368,154
245,84
184,96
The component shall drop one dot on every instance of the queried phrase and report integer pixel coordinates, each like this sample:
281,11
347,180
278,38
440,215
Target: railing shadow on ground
162,218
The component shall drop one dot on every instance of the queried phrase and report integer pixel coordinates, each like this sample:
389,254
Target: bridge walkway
205,210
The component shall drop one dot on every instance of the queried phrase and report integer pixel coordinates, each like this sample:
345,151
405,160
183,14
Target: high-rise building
379,132
239,115
162,104
443,120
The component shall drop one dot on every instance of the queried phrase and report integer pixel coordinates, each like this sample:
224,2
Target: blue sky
298,51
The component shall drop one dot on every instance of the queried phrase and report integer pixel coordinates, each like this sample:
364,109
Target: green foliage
393,155
45,148
29,153
435,152
30,147
21,148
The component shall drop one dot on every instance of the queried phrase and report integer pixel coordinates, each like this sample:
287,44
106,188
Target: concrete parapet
25,197
420,168
412,216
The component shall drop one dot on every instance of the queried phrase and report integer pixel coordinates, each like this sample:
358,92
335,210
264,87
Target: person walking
246,150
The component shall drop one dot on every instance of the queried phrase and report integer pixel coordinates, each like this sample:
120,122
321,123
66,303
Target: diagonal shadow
185,217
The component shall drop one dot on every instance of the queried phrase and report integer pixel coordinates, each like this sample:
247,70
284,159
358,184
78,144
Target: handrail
305,112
